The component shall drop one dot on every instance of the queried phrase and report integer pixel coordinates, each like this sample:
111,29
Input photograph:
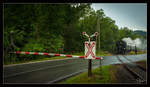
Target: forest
57,28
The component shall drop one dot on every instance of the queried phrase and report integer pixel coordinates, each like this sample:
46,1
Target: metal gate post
89,67
12,47
89,64
101,70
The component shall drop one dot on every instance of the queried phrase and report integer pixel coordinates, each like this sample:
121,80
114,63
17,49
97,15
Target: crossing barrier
51,54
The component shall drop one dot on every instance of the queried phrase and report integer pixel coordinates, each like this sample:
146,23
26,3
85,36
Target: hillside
142,33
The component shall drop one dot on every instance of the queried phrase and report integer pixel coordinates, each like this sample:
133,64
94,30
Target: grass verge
139,52
107,76
142,63
103,53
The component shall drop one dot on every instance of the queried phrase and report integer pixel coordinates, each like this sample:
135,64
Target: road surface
53,71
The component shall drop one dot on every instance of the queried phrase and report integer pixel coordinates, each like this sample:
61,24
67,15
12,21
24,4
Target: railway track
139,75
134,63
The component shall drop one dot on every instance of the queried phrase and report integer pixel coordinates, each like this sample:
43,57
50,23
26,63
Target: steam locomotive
121,47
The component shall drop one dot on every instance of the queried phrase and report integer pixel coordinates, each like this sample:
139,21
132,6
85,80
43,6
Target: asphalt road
51,71
45,72
113,59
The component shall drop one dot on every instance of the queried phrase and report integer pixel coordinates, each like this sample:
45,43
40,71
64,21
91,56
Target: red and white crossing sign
90,50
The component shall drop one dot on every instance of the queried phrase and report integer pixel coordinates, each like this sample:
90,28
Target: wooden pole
98,29
12,47
101,70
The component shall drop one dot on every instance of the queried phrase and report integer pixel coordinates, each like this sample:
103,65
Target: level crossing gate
90,51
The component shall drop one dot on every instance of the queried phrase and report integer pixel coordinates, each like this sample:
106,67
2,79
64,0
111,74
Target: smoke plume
140,43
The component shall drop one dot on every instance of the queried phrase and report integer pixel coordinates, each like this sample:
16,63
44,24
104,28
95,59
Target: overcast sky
131,15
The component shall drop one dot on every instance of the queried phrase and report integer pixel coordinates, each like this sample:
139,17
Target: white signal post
90,60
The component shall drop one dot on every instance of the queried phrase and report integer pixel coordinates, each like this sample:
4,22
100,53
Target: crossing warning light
83,33
96,33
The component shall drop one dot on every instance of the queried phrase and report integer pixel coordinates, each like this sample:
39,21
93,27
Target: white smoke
139,43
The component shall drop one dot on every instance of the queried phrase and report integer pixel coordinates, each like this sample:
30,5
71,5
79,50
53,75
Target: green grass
79,54
139,52
103,53
95,79
144,60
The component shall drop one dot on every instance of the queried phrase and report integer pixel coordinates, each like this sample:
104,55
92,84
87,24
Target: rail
136,75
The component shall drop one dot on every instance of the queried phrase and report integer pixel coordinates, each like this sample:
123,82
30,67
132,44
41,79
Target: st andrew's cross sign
90,50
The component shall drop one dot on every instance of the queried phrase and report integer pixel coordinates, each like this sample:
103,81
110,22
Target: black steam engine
121,47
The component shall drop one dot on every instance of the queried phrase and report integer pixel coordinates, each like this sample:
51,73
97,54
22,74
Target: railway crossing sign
90,50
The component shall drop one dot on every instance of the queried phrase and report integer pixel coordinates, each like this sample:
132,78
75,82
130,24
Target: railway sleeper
136,76
139,66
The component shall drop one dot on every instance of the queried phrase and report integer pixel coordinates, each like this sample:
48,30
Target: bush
31,47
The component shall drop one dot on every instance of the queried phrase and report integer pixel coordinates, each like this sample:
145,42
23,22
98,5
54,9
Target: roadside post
90,49
101,69
12,47
135,50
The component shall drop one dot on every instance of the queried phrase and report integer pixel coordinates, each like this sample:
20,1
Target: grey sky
131,15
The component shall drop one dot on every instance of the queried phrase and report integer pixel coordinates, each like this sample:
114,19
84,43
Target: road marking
63,77
70,75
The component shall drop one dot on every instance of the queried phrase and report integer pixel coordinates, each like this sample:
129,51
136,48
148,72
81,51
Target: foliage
58,28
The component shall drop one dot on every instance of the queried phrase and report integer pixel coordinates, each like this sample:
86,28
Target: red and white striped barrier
51,54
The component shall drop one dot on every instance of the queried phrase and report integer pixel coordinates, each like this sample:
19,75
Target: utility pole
12,46
135,50
98,29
